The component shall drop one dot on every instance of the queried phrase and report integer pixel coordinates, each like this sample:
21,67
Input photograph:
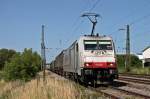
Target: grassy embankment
136,70
54,88
135,65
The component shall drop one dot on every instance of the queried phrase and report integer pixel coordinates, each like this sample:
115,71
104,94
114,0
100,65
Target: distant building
145,57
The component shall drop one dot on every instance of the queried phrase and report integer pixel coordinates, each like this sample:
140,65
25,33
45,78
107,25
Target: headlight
87,64
111,64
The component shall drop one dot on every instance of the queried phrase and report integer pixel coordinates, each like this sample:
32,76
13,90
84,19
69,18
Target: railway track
120,90
123,91
132,93
109,95
118,93
142,79
147,76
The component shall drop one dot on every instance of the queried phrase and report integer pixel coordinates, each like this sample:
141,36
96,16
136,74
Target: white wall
146,53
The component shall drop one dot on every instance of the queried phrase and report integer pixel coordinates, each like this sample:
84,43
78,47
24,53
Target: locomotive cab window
97,45
90,45
105,45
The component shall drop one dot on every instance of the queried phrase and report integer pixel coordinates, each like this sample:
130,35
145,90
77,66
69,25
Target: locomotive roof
89,37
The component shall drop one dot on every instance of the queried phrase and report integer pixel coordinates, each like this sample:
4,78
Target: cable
110,34
94,5
78,18
73,32
136,21
129,15
140,19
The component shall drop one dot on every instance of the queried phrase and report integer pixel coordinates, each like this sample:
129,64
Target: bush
135,63
5,56
23,66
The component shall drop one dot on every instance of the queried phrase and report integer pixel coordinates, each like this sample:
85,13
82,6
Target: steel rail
132,93
134,79
111,96
135,75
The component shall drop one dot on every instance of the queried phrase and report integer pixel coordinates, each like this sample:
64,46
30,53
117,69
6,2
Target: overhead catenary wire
137,21
91,9
129,15
74,26
77,26
94,5
140,19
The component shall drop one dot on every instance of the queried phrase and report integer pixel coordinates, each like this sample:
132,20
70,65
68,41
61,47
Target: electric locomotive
90,59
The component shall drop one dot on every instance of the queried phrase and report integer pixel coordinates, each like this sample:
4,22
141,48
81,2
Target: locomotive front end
99,60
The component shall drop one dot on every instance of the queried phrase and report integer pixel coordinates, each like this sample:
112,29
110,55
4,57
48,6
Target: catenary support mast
128,48
43,63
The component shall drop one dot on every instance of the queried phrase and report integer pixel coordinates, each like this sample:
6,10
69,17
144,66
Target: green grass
135,70
121,69
145,70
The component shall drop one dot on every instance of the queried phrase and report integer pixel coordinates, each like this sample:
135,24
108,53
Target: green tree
135,62
23,66
5,56
121,60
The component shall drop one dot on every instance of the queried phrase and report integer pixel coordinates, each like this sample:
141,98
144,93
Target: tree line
135,62
25,65
19,65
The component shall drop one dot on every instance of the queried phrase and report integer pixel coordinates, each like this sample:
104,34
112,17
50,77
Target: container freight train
90,59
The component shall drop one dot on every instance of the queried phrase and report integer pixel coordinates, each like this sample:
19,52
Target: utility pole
43,63
128,48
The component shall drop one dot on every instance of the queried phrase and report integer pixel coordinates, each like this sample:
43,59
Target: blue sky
21,20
